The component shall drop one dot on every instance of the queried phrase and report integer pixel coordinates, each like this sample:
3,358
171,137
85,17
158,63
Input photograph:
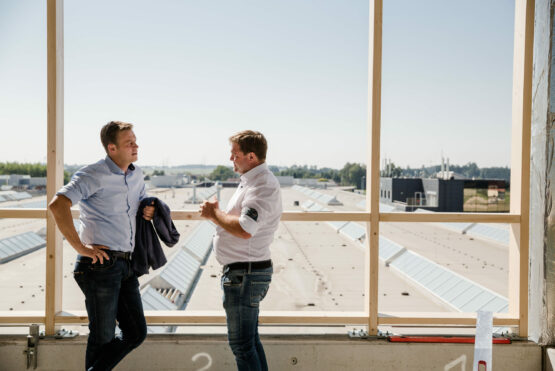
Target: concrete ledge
284,352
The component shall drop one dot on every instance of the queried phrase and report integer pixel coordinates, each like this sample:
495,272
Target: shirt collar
252,173
115,168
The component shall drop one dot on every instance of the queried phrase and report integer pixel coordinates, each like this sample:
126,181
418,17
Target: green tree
352,174
222,173
396,171
304,172
67,177
35,170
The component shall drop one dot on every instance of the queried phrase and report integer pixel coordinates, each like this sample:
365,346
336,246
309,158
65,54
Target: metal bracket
363,334
32,345
358,334
61,334
509,335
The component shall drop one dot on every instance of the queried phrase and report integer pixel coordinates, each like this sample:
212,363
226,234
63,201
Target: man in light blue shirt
108,193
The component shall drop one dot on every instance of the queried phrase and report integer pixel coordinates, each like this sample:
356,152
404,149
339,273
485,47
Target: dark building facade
445,195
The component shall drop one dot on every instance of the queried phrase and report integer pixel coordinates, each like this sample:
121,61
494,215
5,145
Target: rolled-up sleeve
256,207
81,187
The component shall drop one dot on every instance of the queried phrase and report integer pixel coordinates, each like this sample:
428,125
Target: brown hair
251,141
109,132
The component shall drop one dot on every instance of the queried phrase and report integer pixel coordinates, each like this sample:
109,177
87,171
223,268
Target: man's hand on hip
95,252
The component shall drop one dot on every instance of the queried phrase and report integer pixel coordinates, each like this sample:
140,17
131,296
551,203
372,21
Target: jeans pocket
232,280
79,276
259,289
98,267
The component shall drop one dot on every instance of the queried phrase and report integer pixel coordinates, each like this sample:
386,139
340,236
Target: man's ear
111,147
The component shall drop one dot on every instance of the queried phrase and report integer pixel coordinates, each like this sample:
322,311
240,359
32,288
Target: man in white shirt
244,233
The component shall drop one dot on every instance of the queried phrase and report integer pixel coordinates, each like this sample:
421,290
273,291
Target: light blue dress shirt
108,199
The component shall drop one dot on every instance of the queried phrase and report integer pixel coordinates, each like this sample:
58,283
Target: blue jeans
111,293
243,292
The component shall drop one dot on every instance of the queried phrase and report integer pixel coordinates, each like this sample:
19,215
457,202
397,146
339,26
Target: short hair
251,141
109,132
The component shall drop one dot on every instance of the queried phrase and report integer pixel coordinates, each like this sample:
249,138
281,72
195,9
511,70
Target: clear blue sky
189,74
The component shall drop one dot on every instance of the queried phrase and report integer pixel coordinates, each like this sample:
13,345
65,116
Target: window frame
517,218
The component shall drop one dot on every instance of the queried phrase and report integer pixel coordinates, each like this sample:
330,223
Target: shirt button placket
128,209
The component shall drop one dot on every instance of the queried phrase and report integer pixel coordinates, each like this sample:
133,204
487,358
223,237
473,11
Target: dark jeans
111,293
243,292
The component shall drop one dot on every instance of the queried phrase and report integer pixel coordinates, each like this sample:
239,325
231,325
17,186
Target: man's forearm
61,210
230,223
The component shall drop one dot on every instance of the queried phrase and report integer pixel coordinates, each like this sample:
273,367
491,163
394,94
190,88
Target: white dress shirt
257,202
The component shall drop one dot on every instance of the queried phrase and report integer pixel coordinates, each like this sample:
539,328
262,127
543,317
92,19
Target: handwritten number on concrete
461,360
203,355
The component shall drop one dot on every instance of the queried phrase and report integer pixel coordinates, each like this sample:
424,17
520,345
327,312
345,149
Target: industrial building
442,195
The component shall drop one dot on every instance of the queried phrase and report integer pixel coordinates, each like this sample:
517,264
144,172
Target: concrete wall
542,179
286,352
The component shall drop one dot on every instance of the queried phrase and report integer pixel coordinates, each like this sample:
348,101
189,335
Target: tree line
354,174
351,174
32,169
469,170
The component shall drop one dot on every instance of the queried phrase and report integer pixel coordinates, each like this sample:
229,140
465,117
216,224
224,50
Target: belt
249,265
120,254
111,253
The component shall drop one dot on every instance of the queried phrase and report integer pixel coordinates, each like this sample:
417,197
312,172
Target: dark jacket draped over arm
148,251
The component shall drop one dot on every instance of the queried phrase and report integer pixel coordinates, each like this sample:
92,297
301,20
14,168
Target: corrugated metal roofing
203,194
181,271
354,231
154,300
200,240
497,233
21,244
384,208
459,292
389,249
22,196
457,227
320,197
14,196
316,207
337,225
